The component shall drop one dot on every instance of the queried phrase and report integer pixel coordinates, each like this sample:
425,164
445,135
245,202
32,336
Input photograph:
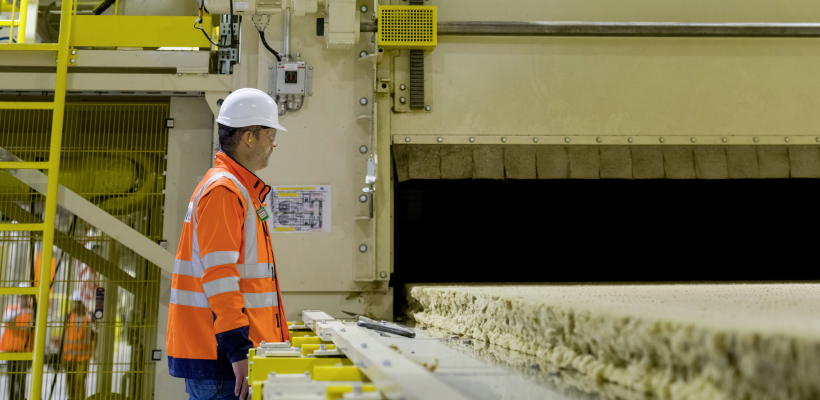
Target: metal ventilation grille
407,27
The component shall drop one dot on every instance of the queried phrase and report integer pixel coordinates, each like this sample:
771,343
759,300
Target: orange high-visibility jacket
224,293
79,339
19,338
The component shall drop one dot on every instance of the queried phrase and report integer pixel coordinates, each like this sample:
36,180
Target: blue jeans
210,389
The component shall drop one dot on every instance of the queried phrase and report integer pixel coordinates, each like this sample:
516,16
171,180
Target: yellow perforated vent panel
407,27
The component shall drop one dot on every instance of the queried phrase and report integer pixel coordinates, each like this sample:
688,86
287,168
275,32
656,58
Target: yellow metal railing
113,155
20,22
52,166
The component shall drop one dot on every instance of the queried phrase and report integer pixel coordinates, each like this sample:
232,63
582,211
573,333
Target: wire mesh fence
103,298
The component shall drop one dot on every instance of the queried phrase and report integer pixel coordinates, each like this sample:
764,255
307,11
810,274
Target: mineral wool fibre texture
674,341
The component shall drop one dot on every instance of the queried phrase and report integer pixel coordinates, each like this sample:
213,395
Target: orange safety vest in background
79,339
19,339
224,293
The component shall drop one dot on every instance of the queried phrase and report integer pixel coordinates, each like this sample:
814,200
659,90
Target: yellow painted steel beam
23,164
15,356
26,105
10,23
21,227
66,17
137,31
29,47
8,291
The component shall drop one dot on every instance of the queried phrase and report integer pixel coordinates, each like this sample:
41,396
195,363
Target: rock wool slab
688,341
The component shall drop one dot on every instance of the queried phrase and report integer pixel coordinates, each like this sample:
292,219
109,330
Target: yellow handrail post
21,29
51,199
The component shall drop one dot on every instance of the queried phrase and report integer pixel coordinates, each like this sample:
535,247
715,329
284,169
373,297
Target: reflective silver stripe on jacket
261,270
221,285
218,258
188,268
261,300
188,298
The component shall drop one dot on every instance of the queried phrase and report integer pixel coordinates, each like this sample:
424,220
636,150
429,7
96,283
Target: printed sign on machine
300,208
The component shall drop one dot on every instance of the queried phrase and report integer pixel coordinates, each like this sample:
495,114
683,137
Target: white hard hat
249,106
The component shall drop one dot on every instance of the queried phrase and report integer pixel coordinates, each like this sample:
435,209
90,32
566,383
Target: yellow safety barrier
20,23
53,169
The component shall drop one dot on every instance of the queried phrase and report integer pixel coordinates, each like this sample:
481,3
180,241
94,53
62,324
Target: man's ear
245,136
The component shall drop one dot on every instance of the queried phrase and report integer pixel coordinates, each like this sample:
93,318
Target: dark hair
229,137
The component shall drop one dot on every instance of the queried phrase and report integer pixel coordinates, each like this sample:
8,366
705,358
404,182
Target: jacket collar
257,189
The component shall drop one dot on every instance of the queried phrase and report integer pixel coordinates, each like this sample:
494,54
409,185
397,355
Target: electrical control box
290,78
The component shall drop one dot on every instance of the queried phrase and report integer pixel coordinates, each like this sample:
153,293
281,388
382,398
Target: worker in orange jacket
78,348
18,338
225,294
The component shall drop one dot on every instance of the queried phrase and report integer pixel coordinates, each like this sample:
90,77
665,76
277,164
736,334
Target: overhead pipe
639,29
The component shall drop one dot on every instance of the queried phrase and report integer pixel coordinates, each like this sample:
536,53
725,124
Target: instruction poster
300,208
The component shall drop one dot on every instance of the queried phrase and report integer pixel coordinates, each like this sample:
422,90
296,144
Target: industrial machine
365,359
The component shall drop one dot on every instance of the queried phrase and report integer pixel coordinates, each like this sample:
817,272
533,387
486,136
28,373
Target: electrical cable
261,30
199,21
275,54
230,23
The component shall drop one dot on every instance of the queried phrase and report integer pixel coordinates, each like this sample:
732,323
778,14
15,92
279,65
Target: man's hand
240,369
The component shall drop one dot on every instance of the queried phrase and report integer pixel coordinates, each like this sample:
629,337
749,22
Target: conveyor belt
482,371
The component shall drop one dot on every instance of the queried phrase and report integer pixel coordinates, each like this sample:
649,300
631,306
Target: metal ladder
53,168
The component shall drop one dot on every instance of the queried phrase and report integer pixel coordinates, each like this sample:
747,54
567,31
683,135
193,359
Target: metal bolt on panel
725,140
402,86
504,140
363,149
787,140
439,140
756,140
694,140
402,100
428,108
566,140
407,139
599,140
363,101
363,198
362,248
629,140
662,140
382,274
472,140
535,140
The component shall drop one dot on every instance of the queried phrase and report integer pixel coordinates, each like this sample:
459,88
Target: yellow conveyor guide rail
52,166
